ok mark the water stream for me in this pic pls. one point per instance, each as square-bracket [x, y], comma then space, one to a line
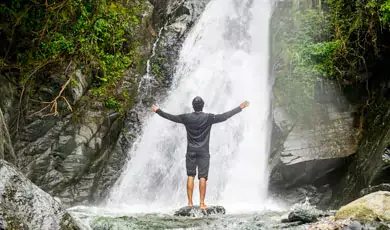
[225, 61]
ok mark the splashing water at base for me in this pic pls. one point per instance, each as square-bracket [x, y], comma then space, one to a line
[225, 61]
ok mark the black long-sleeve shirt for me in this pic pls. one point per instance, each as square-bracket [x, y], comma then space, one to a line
[198, 126]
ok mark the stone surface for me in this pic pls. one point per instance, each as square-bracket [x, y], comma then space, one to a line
[376, 188]
[9, 97]
[318, 196]
[6, 149]
[2, 223]
[150, 221]
[79, 85]
[25, 206]
[310, 153]
[314, 151]
[369, 166]
[67, 157]
[180, 17]
[330, 223]
[304, 213]
[195, 211]
[372, 207]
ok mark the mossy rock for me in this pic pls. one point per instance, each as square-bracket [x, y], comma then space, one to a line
[372, 207]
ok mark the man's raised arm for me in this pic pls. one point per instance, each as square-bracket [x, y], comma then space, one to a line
[174, 118]
[224, 116]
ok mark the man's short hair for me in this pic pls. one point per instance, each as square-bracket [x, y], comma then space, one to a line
[198, 104]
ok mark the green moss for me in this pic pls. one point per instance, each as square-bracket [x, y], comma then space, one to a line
[100, 36]
[156, 70]
[112, 103]
[369, 208]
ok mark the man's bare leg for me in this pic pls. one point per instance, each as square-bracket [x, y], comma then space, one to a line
[190, 189]
[202, 191]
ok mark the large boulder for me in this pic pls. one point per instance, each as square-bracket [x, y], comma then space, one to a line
[316, 147]
[310, 152]
[372, 207]
[25, 206]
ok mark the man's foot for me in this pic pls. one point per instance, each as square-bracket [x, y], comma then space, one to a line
[203, 206]
[190, 204]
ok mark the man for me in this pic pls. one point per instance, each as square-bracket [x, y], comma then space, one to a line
[198, 126]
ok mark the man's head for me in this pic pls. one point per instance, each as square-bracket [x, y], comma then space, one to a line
[198, 104]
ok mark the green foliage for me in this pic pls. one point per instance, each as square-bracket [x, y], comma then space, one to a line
[385, 13]
[356, 25]
[112, 103]
[156, 70]
[55, 44]
[342, 41]
[302, 54]
[99, 35]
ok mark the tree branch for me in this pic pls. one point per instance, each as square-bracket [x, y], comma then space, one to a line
[53, 104]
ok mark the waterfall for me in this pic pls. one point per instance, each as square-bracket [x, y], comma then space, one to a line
[225, 61]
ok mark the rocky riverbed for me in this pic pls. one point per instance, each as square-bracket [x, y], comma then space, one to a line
[369, 212]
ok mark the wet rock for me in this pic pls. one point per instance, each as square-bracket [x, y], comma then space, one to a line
[383, 226]
[317, 196]
[353, 226]
[288, 225]
[305, 213]
[376, 188]
[2, 223]
[195, 211]
[372, 207]
[149, 221]
[309, 153]
[179, 18]
[6, 149]
[369, 166]
[331, 223]
[67, 156]
[302, 216]
[79, 85]
[316, 148]
[25, 206]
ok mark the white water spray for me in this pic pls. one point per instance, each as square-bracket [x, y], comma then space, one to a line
[225, 61]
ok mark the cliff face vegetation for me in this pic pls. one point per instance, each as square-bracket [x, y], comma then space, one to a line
[329, 62]
[69, 71]
[46, 41]
[342, 41]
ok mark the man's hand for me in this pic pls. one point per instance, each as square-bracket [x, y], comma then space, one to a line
[244, 104]
[155, 108]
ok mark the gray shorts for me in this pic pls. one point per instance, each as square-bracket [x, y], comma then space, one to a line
[200, 160]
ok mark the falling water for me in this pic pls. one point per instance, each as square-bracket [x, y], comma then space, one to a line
[147, 79]
[224, 60]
